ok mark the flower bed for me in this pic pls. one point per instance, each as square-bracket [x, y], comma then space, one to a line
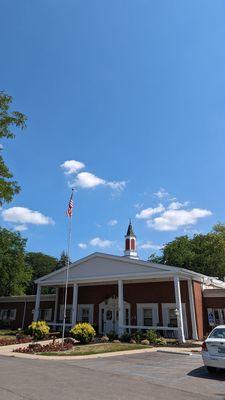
[7, 341]
[39, 348]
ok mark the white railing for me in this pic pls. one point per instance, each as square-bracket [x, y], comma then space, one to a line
[155, 328]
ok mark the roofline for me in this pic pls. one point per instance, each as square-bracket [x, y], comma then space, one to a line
[163, 267]
[26, 298]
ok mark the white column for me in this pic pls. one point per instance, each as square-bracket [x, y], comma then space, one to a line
[192, 310]
[180, 321]
[121, 307]
[37, 303]
[74, 306]
[56, 307]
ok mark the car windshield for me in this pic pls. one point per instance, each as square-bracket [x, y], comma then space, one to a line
[218, 333]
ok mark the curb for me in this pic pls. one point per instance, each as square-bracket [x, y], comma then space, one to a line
[180, 353]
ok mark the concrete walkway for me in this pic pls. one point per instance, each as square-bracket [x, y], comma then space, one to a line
[8, 352]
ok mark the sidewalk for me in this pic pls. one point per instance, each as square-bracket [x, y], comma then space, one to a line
[7, 351]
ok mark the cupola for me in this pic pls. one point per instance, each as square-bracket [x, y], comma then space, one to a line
[130, 243]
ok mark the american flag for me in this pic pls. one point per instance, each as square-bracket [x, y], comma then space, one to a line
[69, 211]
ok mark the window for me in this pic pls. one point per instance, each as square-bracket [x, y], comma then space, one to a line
[85, 313]
[45, 314]
[8, 314]
[127, 244]
[132, 244]
[147, 317]
[216, 316]
[68, 313]
[172, 317]
[147, 314]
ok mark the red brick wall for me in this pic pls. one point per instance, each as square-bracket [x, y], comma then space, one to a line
[198, 299]
[19, 306]
[152, 292]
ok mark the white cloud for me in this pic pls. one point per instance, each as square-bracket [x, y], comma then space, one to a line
[97, 242]
[20, 228]
[148, 212]
[72, 166]
[22, 215]
[161, 194]
[138, 205]
[113, 222]
[87, 180]
[1, 147]
[176, 205]
[172, 220]
[149, 245]
[82, 246]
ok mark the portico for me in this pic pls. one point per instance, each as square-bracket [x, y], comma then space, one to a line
[118, 293]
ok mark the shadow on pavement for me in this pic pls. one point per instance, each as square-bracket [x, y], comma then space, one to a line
[202, 372]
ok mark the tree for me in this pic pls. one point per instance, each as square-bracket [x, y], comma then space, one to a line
[8, 187]
[39, 264]
[201, 253]
[62, 262]
[14, 276]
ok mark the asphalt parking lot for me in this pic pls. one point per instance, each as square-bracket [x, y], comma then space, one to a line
[136, 376]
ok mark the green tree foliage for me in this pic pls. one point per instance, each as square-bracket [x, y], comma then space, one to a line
[201, 253]
[39, 264]
[62, 262]
[8, 120]
[14, 275]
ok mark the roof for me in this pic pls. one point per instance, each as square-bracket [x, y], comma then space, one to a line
[130, 231]
[101, 267]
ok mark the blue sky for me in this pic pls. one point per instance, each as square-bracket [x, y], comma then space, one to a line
[133, 90]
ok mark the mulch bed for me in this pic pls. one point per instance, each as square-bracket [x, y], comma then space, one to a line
[39, 348]
[8, 341]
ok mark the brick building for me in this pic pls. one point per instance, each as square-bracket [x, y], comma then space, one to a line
[119, 293]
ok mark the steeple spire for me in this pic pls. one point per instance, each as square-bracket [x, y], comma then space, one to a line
[130, 243]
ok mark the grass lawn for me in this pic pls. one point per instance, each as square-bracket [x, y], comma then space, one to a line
[7, 333]
[96, 349]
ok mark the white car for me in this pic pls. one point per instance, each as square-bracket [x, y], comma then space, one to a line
[213, 349]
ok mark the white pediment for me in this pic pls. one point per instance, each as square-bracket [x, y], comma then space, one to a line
[100, 266]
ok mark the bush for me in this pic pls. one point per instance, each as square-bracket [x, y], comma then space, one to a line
[137, 336]
[83, 332]
[126, 337]
[160, 342]
[39, 330]
[151, 335]
[112, 335]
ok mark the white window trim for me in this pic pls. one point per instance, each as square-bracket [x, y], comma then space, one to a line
[212, 311]
[140, 313]
[79, 312]
[7, 311]
[165, 315]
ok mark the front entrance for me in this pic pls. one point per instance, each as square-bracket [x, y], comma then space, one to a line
[109, 315]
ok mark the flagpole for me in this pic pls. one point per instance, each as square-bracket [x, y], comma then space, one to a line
[67, 273]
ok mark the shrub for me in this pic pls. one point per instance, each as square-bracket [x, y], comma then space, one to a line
[160, 342]
[126, 337]
[112, 335]
[151, 335]
[39, 329]
[83, 332]
[137, 336]
[104, 339]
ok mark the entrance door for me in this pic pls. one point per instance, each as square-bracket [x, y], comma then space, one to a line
[109, 315]
[110, 319]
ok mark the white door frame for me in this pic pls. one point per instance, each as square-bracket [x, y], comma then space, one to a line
[165, 315]
[112, 303]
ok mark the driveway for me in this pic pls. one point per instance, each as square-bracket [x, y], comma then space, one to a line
[135, 377]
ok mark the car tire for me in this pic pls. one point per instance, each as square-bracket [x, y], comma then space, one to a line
[211, 369]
